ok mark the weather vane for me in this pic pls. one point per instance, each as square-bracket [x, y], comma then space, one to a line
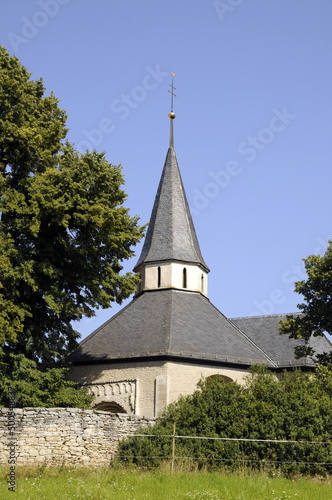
[172, 114]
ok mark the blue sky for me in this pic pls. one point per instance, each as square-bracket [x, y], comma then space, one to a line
[253, 128]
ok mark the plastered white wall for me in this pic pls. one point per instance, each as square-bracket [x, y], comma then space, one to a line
[183, 377]
[171, 276]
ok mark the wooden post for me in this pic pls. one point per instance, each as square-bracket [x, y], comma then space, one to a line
[173, 448]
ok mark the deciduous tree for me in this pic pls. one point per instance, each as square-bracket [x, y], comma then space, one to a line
[316, 310]
[64, 232]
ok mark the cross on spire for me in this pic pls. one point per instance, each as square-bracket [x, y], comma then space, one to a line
[172, 91]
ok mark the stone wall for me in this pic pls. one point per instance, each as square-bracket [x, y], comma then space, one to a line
[63, 436]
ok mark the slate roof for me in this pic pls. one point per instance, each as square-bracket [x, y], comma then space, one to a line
[185, 325]
[171, 234]
[263, 331]
[169, 323]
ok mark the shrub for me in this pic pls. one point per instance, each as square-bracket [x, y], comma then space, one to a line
[297, 407]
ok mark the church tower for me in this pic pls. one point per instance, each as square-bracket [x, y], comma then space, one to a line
[171, 257]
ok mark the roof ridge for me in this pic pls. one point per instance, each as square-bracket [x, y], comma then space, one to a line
[253, 343]
[267, 315]
[100, 327]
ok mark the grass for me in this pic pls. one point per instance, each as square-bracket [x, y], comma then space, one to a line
[125, 484]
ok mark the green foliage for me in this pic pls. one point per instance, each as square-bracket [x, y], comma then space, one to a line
[33, 387]
[64, 232]
[296, 407]
[316, 310]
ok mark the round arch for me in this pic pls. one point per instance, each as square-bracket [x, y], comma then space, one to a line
[110, 406]
[120, 404]
[225, 379]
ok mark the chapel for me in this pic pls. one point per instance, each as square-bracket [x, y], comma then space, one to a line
[170, 335]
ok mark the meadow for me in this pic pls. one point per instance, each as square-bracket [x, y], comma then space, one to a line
[132, 484]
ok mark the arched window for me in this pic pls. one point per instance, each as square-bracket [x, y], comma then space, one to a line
[184, 278]
[202, 283]
[159, 277]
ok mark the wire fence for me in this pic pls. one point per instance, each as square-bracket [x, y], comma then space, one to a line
[291, 455]
[210, 438]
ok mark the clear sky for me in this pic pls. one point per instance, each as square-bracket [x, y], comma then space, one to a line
[252, 133]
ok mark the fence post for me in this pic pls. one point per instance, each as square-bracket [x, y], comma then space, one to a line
[173, 448]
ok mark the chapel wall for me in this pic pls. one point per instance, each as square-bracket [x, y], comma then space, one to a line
[144, 374]
[153, 385]
[183, 377]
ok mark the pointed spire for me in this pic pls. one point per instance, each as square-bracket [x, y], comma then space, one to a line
[171, 234]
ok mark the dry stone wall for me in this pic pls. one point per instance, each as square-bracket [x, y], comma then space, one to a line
[63, 436]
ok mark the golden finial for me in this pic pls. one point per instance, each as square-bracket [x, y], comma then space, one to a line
[172, 115]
